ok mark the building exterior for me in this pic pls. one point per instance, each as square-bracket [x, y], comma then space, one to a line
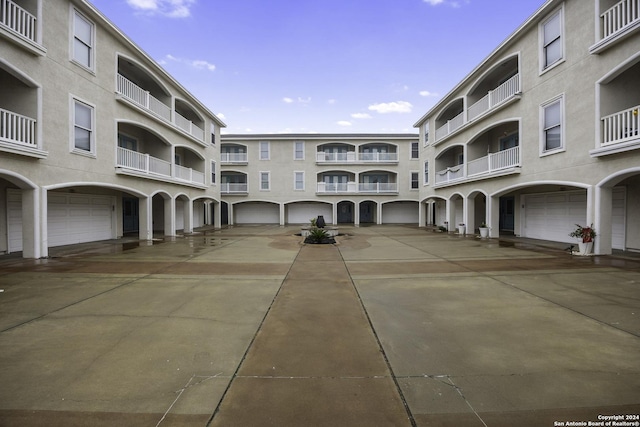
[346, 178]
[96, 139]
[544, 133]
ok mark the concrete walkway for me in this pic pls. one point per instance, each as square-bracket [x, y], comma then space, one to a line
[246, 326]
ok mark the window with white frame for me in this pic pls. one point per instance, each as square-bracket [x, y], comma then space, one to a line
[415, 151]
[551, 40]
[551, 135]
[426, 134]
[298, 178]
[415, 180]
[265, 184]
[264, 150]
[426, 172]
[83, 121]
[83, 40]
[213, 172]
[298, 150]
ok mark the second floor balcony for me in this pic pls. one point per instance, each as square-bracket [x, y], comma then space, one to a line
[372, 182]
[18, 20]
[366, 153]
[18, 130]
[234, 183]
[141, 164]
[233, 154]
[619, 17]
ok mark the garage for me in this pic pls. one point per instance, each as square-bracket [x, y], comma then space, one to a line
[400, 213]
[79, 218]
[552, 216]
[256, 213]
[301, 213]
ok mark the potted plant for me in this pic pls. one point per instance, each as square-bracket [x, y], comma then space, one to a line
[484, 230]
[586, 235]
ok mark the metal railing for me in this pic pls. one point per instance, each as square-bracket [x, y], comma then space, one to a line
[619, 16]
[621, 126]
[18, 19]
[377, 187]
[378, 157]
[145, 163]
[495, 97]
[17, 129]
[189, 127]
[233, 187]
[328, 157]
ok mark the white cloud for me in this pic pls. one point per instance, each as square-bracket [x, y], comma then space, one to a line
[198, 64]
[221, 116]
[170, 8]
[434, 2]
[331, 101]
[299, 100]
[427, 93]
[287, 100]
[392, 107]
[452, 3]
[361, 115]
[344, 123]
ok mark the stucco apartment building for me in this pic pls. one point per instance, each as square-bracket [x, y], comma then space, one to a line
[544, 133]
[96, 139]
[346, 178]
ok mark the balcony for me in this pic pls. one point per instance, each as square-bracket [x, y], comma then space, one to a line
[451, 173]
[17, 129]
[621, 127]
[145, 100]
[336, 187]
[356, 157]
[332, 157]
[494, 162]
[377, 187]
[151, 167]
[493, 99]
[234, 188]
[231, 158]
[18, 20]
[619, 17]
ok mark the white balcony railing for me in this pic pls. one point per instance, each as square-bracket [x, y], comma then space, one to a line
[189, 127]
[233, 187]
[377, 187]
[450, 126]
[18, 19]
[621, 126]
[495, 97]
[378, 157]
[494, 162]
[233, 157]
[147, 164]
[449, 174]
[491, 100]
[336, 187]
[142, 98]
[17, 129]
[619, 16]
[328, 157]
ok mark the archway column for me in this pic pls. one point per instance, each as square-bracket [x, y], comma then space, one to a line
[493, 215]
[187, 216]
[282, 213]
[31, 230]
[356, 213]
[603, 244]
[334, 213]
[169, 217]
[469, 213]
[145, 214]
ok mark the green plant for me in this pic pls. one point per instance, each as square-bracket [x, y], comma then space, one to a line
[483, 225]
[587, 234]
[313, 221]
[317, 235]
[442, 228]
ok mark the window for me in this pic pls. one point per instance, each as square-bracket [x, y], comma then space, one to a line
[83, 40]
[551, 41]
[415, 180]
[298, 181]
[83, 119]
[264, 181]
[213, 172]
[264, 150]
[426, 172]
[127, 142]
[414, 150]
[426, 134]
[551, 130]
[298, 149]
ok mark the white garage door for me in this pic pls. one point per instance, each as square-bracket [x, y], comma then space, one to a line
[552, 216]
[301, 213]
[256, 213]
[400, 213]
[79, 218]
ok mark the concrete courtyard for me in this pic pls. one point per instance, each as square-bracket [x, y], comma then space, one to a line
[391, 326]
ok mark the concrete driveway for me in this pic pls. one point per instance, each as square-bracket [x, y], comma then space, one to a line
[392, 326]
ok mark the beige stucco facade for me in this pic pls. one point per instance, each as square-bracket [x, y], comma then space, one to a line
[97, 140]
[497, 153]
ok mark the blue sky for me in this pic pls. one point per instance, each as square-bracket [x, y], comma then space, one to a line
[311, 66]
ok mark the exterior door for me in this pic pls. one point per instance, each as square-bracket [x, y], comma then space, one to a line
[345, 212]
[507, 209]
[130, 214]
